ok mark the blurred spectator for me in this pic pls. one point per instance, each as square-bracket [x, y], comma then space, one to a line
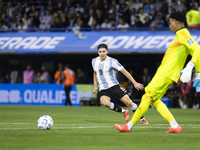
[123, 11]
[19, 17]
[9, 9]
[153, 14]
[99, 16]
[79, 7]
[157, 23]
[91, 17]
[56, 22]
[132, 17]
[193, 4]
[194, 96]
[3, 26]
[14, 75]
[106, 7]
[79, 24]
[158, 5]
[68, 80]
[2, 7]
[26, 20]
[32, 11]
[81, 77]
[180, 6]
[31, 24]
[45, 20]
[137, 21]
[142, 15]
[70, 20]
[185, 93]
[13, 21]
[112, 13]
[50, 7]
[21, 27]
[36, 19]
[95, 24]
[46, 75]
[96, 5]
[122, 23]
[138, 4]
[18, 9]
[26, 8]
[146, 22]
[87, 6]
[131, 4]
[28, 75]
[106, 23]
[148, 6]
[59, 8]
[146, 78]
[58, 73]
[42, 11]
[174, 93]
[37, 78]
[69, 7]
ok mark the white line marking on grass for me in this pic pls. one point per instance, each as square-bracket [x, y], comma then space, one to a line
[103, 126]
[15, 123]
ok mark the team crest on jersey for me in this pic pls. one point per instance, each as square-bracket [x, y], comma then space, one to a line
[190, 41]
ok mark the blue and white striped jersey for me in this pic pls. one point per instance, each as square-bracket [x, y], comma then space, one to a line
[106, 71]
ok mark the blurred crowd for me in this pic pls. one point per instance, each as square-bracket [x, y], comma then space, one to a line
[45, 14]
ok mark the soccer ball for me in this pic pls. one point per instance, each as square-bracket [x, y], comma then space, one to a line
[45, 122]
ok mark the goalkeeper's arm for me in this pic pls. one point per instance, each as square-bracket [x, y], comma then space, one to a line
[186, 73]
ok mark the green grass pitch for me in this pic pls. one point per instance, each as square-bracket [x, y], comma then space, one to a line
[91, 128]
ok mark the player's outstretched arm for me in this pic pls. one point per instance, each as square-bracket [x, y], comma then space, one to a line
[95, 83]
[137, 85]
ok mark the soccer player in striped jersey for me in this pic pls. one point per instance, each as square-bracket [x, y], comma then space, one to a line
[105, 77]
[168, 72]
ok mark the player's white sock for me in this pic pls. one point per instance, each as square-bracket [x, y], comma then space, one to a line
[111, 105]
[134, 107]
[130, 125]
[123, 110]
[174, 124]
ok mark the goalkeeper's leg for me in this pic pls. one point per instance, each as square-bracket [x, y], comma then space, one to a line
[128, 102]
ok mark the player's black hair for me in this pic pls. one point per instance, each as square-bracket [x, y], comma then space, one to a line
[103, 46]
[178, 16]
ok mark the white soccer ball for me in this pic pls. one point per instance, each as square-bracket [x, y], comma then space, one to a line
[45, 122]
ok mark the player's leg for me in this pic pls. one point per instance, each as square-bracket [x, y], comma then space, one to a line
[164, 111]
[105, 100]
[128, 102]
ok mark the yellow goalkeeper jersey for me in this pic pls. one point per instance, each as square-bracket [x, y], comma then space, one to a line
[193, 18]
[176, 55]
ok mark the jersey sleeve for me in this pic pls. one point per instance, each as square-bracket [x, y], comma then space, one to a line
[193, 49]
[117, 65]
[93, 62]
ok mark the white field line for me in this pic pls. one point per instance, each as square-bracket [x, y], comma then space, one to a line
[93, 126]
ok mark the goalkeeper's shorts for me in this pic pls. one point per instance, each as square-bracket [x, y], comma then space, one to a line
[158, 86]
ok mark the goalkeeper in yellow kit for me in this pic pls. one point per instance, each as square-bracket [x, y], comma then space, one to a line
[168, 72]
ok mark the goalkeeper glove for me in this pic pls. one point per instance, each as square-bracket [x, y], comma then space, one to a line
[186, 73]
[196, 83]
